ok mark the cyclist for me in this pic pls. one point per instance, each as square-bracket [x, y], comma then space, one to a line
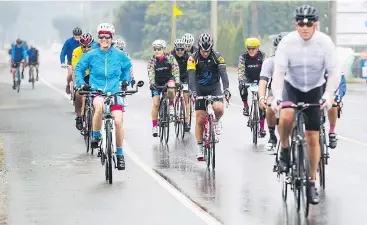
[300, 63]
[33, 60]
[108, 68]
[205, 69]
[18, 56]
[189, 43]
[181, 57]
[162, 69]
[86, 41]
[120, 44]
[333, 112]
[67, 50]
[265, 84]
[249, 68]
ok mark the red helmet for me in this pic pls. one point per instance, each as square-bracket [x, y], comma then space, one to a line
[86, 40]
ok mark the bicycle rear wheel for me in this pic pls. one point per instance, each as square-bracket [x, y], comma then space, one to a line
[167, 120]
[109, 151]
[161, 120]
[177, 118]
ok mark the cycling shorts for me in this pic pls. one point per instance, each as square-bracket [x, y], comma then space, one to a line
[158, 92]
[213, 90]
[312, 122]
[33, 63]
[15, 65]
[117, 105]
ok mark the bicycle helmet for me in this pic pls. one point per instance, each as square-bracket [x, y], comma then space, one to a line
[120, 44]
[205, 42]
[188, 39]
[77, 31]
[306, 12]
[19, 41]
[179, 43]
[86, 40]
[252, 42]
[106, 28]
[159, 43]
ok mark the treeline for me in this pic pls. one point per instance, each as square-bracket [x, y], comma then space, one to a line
[141, 22]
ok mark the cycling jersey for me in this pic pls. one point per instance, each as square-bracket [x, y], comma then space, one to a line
[182, 63]
[160, 71]
[67, 50]
[107, 69]
[267, 70]
[250, 67]
[18, 53]
[207, 71]
[303, 63]
[77, 53]
[33, 55]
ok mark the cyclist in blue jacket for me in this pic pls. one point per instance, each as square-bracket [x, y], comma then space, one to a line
[67, 50]
[333, 112]
[109, 68]
[18, 56]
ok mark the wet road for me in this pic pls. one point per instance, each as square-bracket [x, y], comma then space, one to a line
[53, 181]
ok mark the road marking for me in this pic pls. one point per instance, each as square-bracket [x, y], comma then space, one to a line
[352, 140]
[207, 218]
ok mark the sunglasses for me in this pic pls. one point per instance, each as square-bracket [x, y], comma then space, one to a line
[107, 37]
[157, 49]
[85, 47]
[251, 49]
[180, 49]
[308, 24]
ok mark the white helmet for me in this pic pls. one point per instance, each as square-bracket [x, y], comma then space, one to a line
[106, 27]
[159, 43]
[120, 44]
[188, 39]
[179, 43]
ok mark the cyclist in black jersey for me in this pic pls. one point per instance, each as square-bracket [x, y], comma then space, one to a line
[249, 68]
[181, 57]
[189, 44]
[206, 68]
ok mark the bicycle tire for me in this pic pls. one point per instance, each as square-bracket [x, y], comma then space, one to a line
[32, 76]
[109, 150]
[212, 140]
[18, 85]
[255, 124]
[322, 161]
[192, 106]
[167, 120]
[182, 118]
[161, 120]
[305, 175]
[206, 136]
[177, 118]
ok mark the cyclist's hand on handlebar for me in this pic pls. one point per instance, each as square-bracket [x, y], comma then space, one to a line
[153, 86]
[124, 85]
[132, 82]
[326, 104]
[262, 103]
[84, 88]
[227, 94]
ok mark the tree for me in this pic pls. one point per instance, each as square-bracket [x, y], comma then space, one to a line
[130, 19]
[65, 24]
[238, 44]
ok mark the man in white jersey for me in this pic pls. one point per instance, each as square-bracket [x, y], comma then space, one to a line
[266, 75]
[300, 63]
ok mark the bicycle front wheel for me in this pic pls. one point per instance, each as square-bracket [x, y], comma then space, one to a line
[305, 174]
[212, 140]
[255, 123]
[177, 118]
[322, 161]
[167, 120]
[109, 151]
[31, 76]
[182, 117]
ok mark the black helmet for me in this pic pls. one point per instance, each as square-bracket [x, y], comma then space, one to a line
[77, 31]
[307, 12]
[19, 41]
[205, 42]
[278, 39]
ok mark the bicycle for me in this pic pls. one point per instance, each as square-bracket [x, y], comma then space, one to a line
[209, 130]
[163, 114]
[254, 119]
[180, 109]
[17, 76]
[299, 169]
[324, 147]
[108, 137]
[87, 121]
[31, 74]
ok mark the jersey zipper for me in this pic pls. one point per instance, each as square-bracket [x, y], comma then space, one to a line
[105, 70]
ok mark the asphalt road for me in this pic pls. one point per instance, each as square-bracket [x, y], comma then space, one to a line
[52, 180]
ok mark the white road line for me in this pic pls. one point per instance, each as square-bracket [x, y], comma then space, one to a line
[352, 140]
[207, 218]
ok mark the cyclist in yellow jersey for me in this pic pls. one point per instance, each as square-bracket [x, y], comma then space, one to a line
[86, 41]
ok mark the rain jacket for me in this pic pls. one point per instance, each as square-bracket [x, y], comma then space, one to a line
[107, 69]
[17, 54]
[68, 48]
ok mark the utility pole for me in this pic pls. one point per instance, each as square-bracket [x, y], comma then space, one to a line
[214, 20]
[332, 20]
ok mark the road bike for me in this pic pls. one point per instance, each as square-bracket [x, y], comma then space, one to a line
[163, 114]
[180, 113]
[17, 77]
[299, 174]
[209, 134]
[108, 142]
[87, 121]
[254, 118]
